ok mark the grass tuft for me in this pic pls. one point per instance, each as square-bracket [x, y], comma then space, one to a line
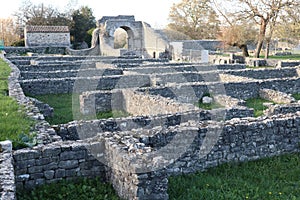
[208, 106]
[274, 178]
[80, 189]
[296, 96]
[257, 105]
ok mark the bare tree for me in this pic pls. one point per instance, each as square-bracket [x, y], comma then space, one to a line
[40, 14]
[288, 28]
[8, 31]
[194, 18]
[265, 13]
[238, 35]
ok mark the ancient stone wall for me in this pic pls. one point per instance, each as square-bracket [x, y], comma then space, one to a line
[265, 73]
[275, 96]
[53, 162]
[39, 50]
[7, 178]
[137, 154]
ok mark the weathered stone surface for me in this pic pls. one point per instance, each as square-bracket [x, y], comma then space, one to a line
[207, 100]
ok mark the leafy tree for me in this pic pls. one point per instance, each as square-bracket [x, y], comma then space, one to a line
[83, 20]
[194, 18]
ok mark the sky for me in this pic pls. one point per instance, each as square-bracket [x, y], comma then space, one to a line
[154, 12]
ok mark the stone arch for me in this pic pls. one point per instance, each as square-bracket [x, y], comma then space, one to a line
[130, 38]
[138, 43]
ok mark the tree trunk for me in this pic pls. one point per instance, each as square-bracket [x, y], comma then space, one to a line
[261, 37]
[244, 49]
[267, 48]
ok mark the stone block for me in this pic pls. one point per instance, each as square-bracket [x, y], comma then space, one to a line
[6, 146]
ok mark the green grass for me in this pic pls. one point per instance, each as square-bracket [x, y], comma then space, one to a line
[63, 109]
[268, 179]
[81, 189]
[286, 57]
[257, 105]
[208, 106]
[296, 96]
[14, 124]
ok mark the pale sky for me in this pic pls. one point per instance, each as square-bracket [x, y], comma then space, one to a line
[154, 12]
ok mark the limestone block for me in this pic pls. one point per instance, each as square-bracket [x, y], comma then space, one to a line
[207, 100]
[5, 146]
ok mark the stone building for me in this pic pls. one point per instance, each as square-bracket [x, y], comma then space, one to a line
[57, 36]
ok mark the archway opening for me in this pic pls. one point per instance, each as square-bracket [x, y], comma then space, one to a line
[120, 39]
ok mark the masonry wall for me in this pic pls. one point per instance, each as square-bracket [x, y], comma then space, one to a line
[236, 140]
[47, 39]
[265, 73]
[40, 50]
[54, 162]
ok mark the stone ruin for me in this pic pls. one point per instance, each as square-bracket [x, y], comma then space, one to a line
[165, 135]
[142, 39]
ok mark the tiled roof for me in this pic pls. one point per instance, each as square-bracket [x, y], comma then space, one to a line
[47, 29]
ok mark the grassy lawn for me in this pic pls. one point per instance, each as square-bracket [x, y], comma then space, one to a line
[14, 124]
[268, 179]
[81, 189]
[296, 96]
[63, 113]
[257, 105]
[286, 57]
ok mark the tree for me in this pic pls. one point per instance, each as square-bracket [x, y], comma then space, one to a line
[265, 13]
[8, 31]
[174, 35]
[83, 20]
[289, 27]
[238, 35]
[40, 14]
[194, 18]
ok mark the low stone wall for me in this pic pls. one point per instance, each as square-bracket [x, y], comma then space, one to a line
[228, 101]
[101, 101]
[185, 149]
[140, 104]
[275, 96]
[256, 62]
[283, 109]
[7, 178]
[182, 67]
[39, 50]
[54, 162]
[288, 63]
[81, 84]
[191, 147]
[265, 73]
[226, 78]
[69, 73]
[53, 67]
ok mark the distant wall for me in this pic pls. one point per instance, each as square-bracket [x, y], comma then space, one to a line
[47, 36]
